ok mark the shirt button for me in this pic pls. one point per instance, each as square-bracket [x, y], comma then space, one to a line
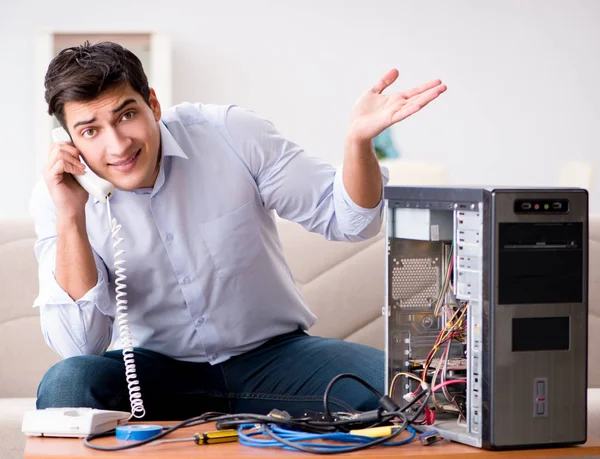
[186, 280]
[169, 237]
[214, 356]
[201, 320]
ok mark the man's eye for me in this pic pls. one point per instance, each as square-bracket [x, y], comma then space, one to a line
[128, 115]
[89, 133]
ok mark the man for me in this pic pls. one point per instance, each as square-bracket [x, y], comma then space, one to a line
[216, 320]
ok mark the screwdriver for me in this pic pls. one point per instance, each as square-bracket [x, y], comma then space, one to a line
[206, 438]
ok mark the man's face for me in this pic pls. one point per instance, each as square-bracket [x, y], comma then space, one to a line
[118, 136]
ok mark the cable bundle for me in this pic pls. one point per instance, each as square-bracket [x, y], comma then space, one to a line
[287, 432]
[296, 440]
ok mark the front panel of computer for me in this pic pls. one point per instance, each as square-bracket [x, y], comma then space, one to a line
[538, 361]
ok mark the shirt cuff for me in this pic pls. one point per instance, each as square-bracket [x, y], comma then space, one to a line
[56, 295]
[368, 214]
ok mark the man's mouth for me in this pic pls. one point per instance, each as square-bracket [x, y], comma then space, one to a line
[126, 163]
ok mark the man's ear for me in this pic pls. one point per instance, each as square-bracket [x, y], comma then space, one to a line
[155, 105]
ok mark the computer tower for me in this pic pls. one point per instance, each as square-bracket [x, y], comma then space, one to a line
[486, 301]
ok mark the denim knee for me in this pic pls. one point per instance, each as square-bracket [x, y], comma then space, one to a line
[82, 381]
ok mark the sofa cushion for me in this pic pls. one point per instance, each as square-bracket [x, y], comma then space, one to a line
[594, 412]
[343, 284]
[12, 441]
[25, 356]
[594, 303]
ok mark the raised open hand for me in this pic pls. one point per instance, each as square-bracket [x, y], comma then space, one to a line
[375, 112]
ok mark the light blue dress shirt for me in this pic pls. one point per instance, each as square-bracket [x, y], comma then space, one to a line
[206, 275]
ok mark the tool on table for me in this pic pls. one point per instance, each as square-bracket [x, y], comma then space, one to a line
[205, 438]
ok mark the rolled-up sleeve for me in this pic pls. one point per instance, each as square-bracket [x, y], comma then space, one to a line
[299, 187]
[369, 220]
[70, 327]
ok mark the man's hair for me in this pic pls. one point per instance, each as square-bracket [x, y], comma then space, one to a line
[81, 73]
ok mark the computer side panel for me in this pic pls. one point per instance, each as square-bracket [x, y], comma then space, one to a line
[481, 332]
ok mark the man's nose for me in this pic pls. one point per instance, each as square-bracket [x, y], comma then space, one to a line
[116, 144]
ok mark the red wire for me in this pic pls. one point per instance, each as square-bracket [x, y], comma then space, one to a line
[447, 383]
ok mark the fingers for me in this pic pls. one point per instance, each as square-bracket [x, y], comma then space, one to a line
[65, 165]
[417, 103]
[64, 146]
[387, 80]
[63, 150]
[421, 89]
[63, 158]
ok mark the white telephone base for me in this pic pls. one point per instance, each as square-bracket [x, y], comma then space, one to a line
[71, 422]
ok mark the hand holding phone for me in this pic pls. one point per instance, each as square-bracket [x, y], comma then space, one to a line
[96, 186]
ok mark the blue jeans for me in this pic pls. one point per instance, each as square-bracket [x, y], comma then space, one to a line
[289, 372]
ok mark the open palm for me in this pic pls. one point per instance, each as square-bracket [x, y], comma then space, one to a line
[374, 112]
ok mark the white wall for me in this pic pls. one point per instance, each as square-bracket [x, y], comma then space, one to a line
[522, 75]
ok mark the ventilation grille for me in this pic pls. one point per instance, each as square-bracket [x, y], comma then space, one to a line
[415, 282]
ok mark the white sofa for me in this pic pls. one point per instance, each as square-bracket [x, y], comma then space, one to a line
[339, 280]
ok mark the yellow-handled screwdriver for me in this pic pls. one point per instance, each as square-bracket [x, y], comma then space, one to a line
[206, 438]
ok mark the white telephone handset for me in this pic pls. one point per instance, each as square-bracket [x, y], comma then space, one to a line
[96, 186]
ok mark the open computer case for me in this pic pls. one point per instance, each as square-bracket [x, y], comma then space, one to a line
[486, 303]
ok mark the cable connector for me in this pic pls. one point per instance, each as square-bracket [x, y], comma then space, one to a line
[428, 438]
[368, 417]
[388, 404]
[408, 397]
[374, 432]
[429, 416]
[275, 413]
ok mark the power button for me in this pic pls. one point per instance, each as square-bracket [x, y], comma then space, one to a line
[540, 397]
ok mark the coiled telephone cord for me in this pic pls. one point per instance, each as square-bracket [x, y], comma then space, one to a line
[133, 384]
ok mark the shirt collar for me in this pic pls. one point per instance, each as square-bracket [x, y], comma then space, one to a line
[169, 146]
